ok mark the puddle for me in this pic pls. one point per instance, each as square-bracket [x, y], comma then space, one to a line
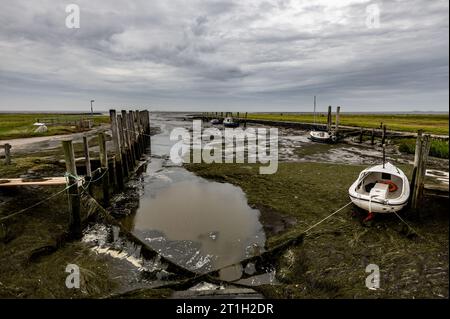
[199, 224]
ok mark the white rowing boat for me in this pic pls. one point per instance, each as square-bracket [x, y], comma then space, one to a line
[380, 189]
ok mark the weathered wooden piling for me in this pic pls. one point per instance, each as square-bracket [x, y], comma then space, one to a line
[338, 112]
[245, 121]
[123, 146]
[383, 135]
[361, 133]
[418, 176]
[127, 137]
[329, 119]
[87, 163]
[73, 191]
[104, 168]
[131, 135]
[7, 148]
[372, 137]
[118, 170]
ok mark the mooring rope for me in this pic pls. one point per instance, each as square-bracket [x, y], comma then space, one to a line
[324, 219]
[77, 178]
[38, 203]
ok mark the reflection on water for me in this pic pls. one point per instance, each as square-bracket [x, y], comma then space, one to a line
[211, 222]
[200, 224]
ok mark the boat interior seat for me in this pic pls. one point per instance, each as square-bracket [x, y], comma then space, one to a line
[372, 179]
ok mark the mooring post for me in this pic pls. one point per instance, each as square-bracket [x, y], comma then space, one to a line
[127, 139]
[147, 116]
[361, 132]
[123, 146]
[372, 137]
[141, 130]
[338, 111]
[87, 163]
[7, 153]
[420, 161]
[135, 135]
[329, 119]
[118, 153]
[131, 135]
[72, 191]
[245, 121]
[383, 135]
[104, 168]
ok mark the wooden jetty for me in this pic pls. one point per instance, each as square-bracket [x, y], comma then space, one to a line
[131, 139]
[45, 181]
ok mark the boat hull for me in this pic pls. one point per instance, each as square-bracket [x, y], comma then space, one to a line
[231, 124]
[377, 207]
[321, 140]
[377, 202]
[322, 137]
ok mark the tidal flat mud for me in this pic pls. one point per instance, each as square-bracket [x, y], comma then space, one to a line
[311, 182]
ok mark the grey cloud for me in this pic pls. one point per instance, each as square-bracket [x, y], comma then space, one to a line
[268, 55]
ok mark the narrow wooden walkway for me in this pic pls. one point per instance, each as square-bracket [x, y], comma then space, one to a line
[45, 181]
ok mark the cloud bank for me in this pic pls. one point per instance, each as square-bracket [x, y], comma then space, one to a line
[217, 55]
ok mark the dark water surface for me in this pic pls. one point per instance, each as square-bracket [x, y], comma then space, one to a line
[200, 224]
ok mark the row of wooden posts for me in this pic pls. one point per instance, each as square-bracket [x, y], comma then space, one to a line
[7, 148]
[130, 138]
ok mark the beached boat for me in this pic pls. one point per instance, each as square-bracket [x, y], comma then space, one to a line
[215, 121]
[322, 137]
[380, 189]
[229, 122]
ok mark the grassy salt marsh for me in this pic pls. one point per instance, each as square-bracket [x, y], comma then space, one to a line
[21, 125]
[331, 262]
[430, 123]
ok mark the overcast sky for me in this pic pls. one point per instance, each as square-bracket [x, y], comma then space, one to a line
[272, 55]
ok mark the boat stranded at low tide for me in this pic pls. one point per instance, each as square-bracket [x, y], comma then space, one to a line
[380, 189]
[227, 146]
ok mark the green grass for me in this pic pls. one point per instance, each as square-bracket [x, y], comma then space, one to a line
[438, 148]
[21, 125]
[331, 261]
[430, 123]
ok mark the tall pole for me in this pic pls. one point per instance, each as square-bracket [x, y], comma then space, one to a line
[92, 108]
[314, 110]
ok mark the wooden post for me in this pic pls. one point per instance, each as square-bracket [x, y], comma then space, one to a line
[135, 135]
[420, 161]
[7, 153]
[147, 116]
[123, 146]
[338, 111]
[132, 137]
[72, 192]
[128, 140]
[245, 122]
[117, 151]
[104, 168]
[329, 119]
[87, 163]
[361, 132]
[372, 137]
[383, 136]
[140, 130]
